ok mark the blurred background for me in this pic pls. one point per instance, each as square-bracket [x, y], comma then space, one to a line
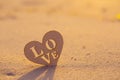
[99, 9]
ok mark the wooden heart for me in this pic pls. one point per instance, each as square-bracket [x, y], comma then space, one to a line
[47, 52]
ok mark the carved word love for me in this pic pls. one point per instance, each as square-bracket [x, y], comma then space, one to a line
[47, 52]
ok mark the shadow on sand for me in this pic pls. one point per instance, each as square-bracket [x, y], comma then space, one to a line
[42, 73]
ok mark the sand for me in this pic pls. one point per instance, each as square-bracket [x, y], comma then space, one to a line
[90, 31]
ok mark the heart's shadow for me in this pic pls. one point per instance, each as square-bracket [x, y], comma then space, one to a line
[41, 73]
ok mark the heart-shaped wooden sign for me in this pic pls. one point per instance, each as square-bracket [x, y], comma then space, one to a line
[47, 52]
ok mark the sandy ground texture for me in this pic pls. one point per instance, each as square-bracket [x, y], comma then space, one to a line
[91, 33]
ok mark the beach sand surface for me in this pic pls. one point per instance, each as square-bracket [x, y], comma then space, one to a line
[90, 30]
